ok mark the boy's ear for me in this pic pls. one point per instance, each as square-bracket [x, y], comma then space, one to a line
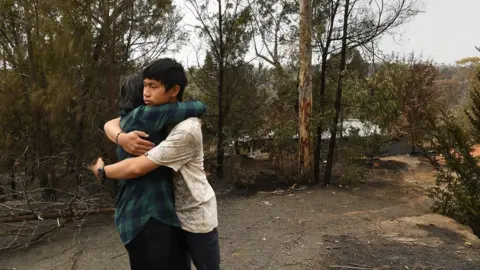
[174, 91]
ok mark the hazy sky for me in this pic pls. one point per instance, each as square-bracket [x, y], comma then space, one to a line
[447, 31]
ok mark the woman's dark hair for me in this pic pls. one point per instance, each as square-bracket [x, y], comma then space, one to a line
[131, 92]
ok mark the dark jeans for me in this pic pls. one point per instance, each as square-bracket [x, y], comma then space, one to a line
[151, 248]
[202, 248]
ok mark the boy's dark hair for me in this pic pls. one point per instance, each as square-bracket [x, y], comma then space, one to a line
[131, 92]
[168, 72]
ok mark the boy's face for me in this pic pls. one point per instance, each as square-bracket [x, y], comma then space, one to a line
[154, 93]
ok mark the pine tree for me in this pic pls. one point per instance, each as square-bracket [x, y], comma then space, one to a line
[457, 191]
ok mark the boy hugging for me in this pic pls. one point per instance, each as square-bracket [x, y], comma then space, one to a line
[166, 211]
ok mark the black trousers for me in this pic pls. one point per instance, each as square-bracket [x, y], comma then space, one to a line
[162, 247]
[151, 249]
[202, 248]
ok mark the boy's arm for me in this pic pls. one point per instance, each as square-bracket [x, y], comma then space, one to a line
[129, 168]
[174, 152]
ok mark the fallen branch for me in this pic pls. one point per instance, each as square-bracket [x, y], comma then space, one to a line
[25, 187]
[15, 239]
[265, 263]
[36, 239]
[65, 214]
[294, 240]
[75, 259]
[118, 256]
[70, 206]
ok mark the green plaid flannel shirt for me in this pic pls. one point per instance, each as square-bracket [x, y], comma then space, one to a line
[151, 195]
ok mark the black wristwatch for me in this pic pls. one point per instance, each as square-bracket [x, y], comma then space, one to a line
[101, 173]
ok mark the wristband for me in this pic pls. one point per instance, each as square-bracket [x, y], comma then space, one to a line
[101, 173]
[116, 138]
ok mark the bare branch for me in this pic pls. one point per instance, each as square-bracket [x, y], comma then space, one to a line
[196, 12]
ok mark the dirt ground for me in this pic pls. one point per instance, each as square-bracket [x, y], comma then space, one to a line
[384, 224]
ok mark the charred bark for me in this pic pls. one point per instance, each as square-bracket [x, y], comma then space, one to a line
[338, 100]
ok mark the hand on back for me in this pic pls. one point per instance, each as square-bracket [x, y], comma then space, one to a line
[134, 144]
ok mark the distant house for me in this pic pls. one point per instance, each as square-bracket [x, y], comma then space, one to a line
[348, 128]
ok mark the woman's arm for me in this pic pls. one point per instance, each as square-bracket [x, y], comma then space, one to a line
[131, 142]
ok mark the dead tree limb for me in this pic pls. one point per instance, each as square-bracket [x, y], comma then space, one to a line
[60, 215]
